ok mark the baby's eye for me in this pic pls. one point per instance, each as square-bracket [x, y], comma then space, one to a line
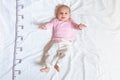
[65, 13]
[61, 13]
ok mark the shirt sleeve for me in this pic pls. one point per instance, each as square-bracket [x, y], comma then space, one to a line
[50, 24]
[74, 24]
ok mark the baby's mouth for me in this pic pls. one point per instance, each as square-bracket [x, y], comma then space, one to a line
[63, 17]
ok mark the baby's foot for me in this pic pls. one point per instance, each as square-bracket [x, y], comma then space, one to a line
[57, 67]
[46, 69]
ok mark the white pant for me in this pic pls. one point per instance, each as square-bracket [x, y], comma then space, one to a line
[58, 52]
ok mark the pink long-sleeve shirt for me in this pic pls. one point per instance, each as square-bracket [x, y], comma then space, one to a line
[62, 30]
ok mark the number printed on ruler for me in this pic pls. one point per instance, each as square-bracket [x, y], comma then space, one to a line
[18, 39]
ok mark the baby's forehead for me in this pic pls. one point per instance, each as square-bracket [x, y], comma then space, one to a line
[64, 9]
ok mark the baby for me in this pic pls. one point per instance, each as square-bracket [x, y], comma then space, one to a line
[63, 36]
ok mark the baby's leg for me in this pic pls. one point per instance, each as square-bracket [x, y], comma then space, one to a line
[49, 57]
[46, 69]
[57, 67]
[63, 54]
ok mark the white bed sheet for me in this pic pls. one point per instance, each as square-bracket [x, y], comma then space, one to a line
[96, 51]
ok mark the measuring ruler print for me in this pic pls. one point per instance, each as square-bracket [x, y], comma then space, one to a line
[18, 38]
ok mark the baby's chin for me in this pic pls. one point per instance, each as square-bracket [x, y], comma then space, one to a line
[63, 20]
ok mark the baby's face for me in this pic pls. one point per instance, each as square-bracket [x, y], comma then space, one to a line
[63, 14]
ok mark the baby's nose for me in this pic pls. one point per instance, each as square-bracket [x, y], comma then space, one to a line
[63, 14]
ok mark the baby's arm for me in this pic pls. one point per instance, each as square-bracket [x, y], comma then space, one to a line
[42, 27]
[78, 26]
[81, 26]
[48, 25]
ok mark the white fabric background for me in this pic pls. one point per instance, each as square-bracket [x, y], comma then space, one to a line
[96, 49]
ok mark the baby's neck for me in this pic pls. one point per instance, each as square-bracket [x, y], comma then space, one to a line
[64, 21]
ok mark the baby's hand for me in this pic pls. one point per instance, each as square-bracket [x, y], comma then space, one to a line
[42, 27]
[81, 26]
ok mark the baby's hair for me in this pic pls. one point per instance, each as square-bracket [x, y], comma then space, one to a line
[61, 6]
